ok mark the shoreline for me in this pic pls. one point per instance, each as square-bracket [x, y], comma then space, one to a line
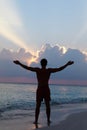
[59, 114]
[75, 121]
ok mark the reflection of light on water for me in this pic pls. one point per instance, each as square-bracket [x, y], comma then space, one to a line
[35, 126]
[63, 89]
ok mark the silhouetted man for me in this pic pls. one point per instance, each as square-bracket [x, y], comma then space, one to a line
[43, 91]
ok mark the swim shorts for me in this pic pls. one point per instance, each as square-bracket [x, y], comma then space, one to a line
[43, 93]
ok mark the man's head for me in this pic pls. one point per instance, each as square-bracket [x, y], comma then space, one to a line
[43, 62]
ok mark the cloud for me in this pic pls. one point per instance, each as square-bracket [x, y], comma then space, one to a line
[50, 52]
[7, 67]
[20, 54]
[56, 58]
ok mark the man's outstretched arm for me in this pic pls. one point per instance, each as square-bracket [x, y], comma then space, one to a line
[24, 66]
[62, 67]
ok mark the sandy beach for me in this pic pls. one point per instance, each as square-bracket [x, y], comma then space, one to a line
[77, 121]
[66, 117]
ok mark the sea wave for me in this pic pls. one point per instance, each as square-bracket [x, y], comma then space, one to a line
[68, 101]
[31, 105]
[15, 97]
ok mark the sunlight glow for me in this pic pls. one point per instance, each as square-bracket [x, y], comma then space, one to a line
[33, 59]
[83, 30]
[85, 53]
[9, 34]
[11, 24]
[64, 50]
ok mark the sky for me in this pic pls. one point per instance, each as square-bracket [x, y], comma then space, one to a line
[34, 29]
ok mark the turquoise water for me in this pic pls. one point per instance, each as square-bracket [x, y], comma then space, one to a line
[22, 96]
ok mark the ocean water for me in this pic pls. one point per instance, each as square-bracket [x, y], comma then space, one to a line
[20, 98]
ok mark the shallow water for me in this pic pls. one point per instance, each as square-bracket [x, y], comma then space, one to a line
[19, 99]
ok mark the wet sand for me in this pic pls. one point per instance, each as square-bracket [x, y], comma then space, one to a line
[64, 117]
[73, 122]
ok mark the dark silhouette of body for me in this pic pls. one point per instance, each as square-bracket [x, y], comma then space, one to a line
[43, 91]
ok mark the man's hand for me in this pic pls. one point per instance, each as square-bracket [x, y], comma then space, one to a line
[70, 62]
[16, 62]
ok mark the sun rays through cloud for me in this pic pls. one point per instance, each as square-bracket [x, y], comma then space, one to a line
[11, 26]
[82, 32]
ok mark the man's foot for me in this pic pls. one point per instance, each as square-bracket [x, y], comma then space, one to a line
[49, 122]
[35, 122]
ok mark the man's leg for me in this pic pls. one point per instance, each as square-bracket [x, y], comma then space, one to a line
[48, 111]
[37, 111]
